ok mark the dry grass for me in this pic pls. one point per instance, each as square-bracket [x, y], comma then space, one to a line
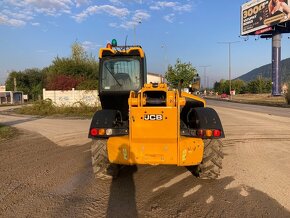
[262, 99]
[7, 132]
[47, 108]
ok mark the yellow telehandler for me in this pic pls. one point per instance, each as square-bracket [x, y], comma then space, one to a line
[144, 123]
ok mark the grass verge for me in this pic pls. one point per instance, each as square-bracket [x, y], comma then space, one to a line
[259, 99]
[7, 132]
[47, 108]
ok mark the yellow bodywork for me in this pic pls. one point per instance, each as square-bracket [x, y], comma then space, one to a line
[125, 52]
[154, 132]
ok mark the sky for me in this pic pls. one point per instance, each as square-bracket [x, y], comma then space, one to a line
[34, 32]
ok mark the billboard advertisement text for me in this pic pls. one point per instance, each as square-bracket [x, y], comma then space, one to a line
[257, 15]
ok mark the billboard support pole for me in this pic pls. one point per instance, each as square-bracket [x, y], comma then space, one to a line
[276, 64]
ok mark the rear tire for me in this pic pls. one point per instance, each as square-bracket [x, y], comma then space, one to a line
[102, 167]
[212, 160]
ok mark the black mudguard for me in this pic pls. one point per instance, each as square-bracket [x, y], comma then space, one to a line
[204, 118]
[104, 119]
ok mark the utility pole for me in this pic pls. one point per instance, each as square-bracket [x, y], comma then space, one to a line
[260, 83]
[165, 57]
[276, 64]
[15, 84]
[230, 79]
[205, 77]
[135, 24]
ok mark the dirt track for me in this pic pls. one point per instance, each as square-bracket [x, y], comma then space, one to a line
[40, 178]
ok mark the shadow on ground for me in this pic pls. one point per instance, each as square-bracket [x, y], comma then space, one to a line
[40, 179]
[202, 198]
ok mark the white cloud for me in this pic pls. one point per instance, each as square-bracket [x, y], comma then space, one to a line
[49, 7]
[183, 8]
[176, 6]
[140, 16]
[169, 18]
[11, 22]
[108, 9]
[35, 24]
[159, 5]
[21, 15]
[116, 2]
[128, 24]
[18, 12]
[79, 3]
[87, 45]
[123, 2]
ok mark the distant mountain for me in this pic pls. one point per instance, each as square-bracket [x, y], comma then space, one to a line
[266, 72]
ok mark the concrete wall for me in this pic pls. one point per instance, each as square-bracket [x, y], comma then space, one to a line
[89, 97]
[72, 97]
[154, 78]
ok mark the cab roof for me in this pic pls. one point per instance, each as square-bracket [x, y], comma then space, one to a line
[135, 50]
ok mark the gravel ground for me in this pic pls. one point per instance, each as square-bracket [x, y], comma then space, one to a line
[43, 173]
[40, 179]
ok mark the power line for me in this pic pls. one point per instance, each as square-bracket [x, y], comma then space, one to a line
[204, 72]
[230, 79]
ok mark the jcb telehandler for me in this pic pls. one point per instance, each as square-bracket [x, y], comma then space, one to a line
[148, 123]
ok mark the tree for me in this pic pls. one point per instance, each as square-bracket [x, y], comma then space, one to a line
[78, 53]
[224, 86]
[63, 82]
[238, 85]
[184, 71]
[259, 85]
[29, 81]
[78, 65]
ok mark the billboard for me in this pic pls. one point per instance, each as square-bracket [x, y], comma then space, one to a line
[259, 16]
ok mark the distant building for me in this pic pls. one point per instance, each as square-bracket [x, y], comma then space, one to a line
[284, 88]
[11, 97]
[155, 78]
[2, 88]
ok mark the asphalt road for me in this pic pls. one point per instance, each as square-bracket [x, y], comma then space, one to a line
[46, 172]
[278, 111]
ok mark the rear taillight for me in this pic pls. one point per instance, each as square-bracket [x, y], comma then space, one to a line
[208, 133]
[202, 133]
[102, 132]
[94, 132]
[217, 133]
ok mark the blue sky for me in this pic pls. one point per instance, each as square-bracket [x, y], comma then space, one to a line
[34, 32]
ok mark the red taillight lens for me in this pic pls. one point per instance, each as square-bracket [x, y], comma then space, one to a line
[217, 133]
[94, 132]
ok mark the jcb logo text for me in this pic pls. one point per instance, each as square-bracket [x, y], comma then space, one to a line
[153, 117]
